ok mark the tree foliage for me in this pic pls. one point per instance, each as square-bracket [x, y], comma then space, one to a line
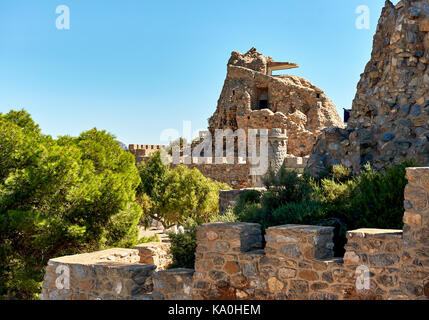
[174, 195]
[59, 196]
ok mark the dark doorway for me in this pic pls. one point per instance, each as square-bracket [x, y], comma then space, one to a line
[263, 104]
[261, 99]
[346, 114]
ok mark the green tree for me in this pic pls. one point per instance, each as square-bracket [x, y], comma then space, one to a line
[59, 196]
[172, 196]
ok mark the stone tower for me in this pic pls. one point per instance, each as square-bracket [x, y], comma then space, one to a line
[389, 121]
[277, 148]
[253, 98]
[277, 152]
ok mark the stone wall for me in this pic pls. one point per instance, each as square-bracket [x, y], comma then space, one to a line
[174, 284]
[296, 262]
[290, 102]
[155, 253]
[113, 274]
[415, 250]
[236, 175]
[380, 252]
[295, 163]
[142, 152]
[389, 120]
[239, 173]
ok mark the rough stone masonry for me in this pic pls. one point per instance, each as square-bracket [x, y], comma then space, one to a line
[389, 121]
[253, 98]
[293, 110]
[297, 262]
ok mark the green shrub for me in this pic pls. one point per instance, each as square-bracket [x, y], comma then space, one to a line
[285, 187]
[337, 198]
[379, 200]
[154, 238]
[183, 246]
[307, 212]
[340, 173]
[284, 190]
[229, 216]
[254, 213]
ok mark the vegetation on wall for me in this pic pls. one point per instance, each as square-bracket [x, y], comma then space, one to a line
[57, 197]
[183, 245]
[370, 199]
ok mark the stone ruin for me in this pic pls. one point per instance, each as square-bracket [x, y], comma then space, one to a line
[297, 262]
[293, 110]
[253, 98]
[389, 120]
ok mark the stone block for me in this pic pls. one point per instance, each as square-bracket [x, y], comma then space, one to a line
[413, 219]
[424, 26]
[301, 241]
[231, 237]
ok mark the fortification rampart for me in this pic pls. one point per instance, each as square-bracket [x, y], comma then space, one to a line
[297, 262]
[142, 152]
[235, 171]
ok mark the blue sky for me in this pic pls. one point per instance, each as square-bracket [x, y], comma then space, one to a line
[137, 67]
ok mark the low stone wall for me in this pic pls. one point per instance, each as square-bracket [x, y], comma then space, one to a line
[143, 152]
[155, 253]
[174, 284]
[298, 164]
[235, 175]
[377, 252]
[113, 274]
[296, 263]
[415, 250]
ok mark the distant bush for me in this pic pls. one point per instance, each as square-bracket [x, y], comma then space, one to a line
[369, 199]
[154, 238]
[57, 197]
[285, 187]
